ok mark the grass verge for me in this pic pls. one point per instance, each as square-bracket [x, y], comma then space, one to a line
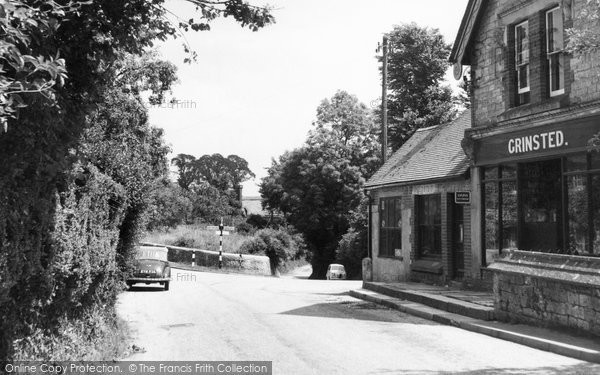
[98, 335]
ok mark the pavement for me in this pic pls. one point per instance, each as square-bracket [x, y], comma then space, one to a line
[473, 311]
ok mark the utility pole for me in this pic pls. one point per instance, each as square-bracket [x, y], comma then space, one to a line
[384, 119]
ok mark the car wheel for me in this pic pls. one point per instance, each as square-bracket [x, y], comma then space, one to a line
[166, 285]
[129, 284]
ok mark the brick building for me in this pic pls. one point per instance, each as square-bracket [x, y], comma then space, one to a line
[420, 231]
[535, 185]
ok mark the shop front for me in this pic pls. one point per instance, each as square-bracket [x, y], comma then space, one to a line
[540, 190]
[540, 221]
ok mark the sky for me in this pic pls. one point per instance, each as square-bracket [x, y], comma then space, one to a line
[255, 94]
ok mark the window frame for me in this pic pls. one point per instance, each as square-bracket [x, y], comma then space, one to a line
[436, 227]
[552, 53]
[524, 62]
[588, 171]
[385, 248]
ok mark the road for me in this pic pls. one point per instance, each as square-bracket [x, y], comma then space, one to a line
[311, 327]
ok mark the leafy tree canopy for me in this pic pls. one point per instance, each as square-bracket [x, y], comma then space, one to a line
[317, 185]
[417, 62]
[222, 173]
[48, 45]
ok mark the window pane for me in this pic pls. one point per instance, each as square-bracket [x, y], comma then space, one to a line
[576, 163]
[491, 220]
[509, 171]
[554, 30]
[577, 206]
[557, 77]
[491, 173]
[541, 204]
[390, 226]
[596, 214]
[523, 76]
[509, 214]
[595, 156]
[522, 43]
[398, 214]
[429, 228]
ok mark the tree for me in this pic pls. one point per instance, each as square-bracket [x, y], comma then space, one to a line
[223, 173]
[170, 205]
[59, 101]
[417, 62]
[317, 185]
[212, 181]
[187, 172]
[42, 41]
[584, 38]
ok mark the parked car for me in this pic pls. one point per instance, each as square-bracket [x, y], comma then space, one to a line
[151, 266]
[336, 271]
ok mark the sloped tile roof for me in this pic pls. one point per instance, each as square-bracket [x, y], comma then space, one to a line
[431, 153]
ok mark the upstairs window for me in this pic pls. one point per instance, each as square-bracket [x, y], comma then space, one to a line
[554, 51]
[522, 61]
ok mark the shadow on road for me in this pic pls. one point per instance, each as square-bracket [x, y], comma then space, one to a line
[583, 368]
[144, 288]
[360, 310]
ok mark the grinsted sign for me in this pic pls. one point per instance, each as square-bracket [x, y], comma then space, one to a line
[554, 139]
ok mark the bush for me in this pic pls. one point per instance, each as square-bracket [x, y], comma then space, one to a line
[351, 250]
[257, 221]
[279, 245]
[169, 207]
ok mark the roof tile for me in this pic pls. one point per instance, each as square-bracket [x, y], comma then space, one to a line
[431, 153]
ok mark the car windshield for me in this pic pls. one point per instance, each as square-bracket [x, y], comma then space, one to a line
[147, 252]
[337, 268]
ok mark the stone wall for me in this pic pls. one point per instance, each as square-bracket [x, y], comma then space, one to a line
[249, 264]
[548, 290]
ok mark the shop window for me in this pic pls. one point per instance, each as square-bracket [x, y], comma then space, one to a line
[390, 229]
[522, 62]
[500, 207]
[429, 225]
[541, 203]
[554, 51]
[582, 177]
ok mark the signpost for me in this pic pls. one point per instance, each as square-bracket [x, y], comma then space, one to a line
[221, 230]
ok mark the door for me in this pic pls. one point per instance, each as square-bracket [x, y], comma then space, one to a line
[457, 225]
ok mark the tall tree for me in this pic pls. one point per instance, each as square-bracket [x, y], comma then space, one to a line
[317, 185]
[187, 172]
[417, 63]
[584, 38]
[59, 59]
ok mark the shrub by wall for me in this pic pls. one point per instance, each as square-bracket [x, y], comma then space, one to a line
[279, 245]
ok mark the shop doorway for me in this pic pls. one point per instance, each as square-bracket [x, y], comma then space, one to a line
[457, 225]
[541, 206]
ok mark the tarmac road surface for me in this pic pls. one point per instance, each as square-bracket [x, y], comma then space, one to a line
[311, 327]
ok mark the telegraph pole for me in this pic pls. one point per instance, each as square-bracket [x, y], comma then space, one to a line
[384, 119]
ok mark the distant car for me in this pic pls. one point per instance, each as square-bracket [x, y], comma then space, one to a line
[336, 272]
[151, 266]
